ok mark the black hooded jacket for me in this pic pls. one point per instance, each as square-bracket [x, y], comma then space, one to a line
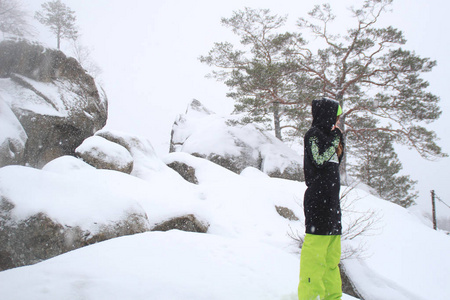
[321, 167]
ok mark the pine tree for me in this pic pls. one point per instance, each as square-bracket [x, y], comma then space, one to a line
[257, 75]
[369, 72]
[375, 163]
[60, 19]
[365, 69]
[274, 75]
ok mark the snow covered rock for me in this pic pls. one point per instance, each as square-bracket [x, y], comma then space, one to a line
[57, 103]
[66, 164]
[186, 171]
[47, 213]
[348, 285]
[202, 133]
[12, 137]
[146, 162]
[103, 154]
[286, 213]
[188, 223]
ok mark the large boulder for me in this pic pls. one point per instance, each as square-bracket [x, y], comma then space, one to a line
[56, 102]
[186, 171]
[286, 213]
[188, 223]
[103, 154]
[202, 133]
[146, 162]
[44, 213]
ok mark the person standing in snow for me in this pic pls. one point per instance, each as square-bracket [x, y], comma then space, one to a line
[321, 251]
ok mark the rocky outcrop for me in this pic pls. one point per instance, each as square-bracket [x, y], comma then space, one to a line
[186, 171]
[286, 213]
[56, 102]
[39, 237]
[103, 154]
[235, 147]
[185, 223]
[44, 213]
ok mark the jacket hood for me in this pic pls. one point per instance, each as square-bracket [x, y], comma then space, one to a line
[324, 113]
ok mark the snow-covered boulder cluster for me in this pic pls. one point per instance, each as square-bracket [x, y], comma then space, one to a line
[205, 134]
[247, 250]
[76, 201]
[65, 206]
[49, 104]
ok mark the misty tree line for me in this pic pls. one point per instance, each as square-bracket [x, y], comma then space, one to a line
[273, 75]
[60, 20]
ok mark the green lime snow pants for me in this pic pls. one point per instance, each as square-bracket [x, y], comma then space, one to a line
[320, 278]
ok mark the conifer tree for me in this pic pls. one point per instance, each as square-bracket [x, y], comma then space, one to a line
[274, 75]
[375, 163]
[257, 74]
[13, 18]
[60, 19]
[369, 73]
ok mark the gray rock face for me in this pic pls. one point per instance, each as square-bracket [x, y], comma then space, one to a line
[185, 223]
[347, 285]
[103, 154]
[235, 147]
[186, 171]
[57, 103]
[286, 213]
[39, 237]
[235, 163]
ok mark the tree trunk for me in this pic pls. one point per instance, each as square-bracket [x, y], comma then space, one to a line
[58, 39]
[276, 120]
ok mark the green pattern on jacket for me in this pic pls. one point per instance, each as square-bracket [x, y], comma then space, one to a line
[318, 158]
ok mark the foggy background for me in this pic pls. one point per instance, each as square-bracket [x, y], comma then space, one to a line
[148, 53]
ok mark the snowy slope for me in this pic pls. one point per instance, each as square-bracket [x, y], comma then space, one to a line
[171, 265]
[246, 254]
[404, 256]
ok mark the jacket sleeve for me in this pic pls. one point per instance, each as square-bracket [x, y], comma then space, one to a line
[319, 158]
[338, 132]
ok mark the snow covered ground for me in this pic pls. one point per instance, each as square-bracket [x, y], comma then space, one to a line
[246, 254]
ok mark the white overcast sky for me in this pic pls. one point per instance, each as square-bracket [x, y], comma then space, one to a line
[148, 51]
